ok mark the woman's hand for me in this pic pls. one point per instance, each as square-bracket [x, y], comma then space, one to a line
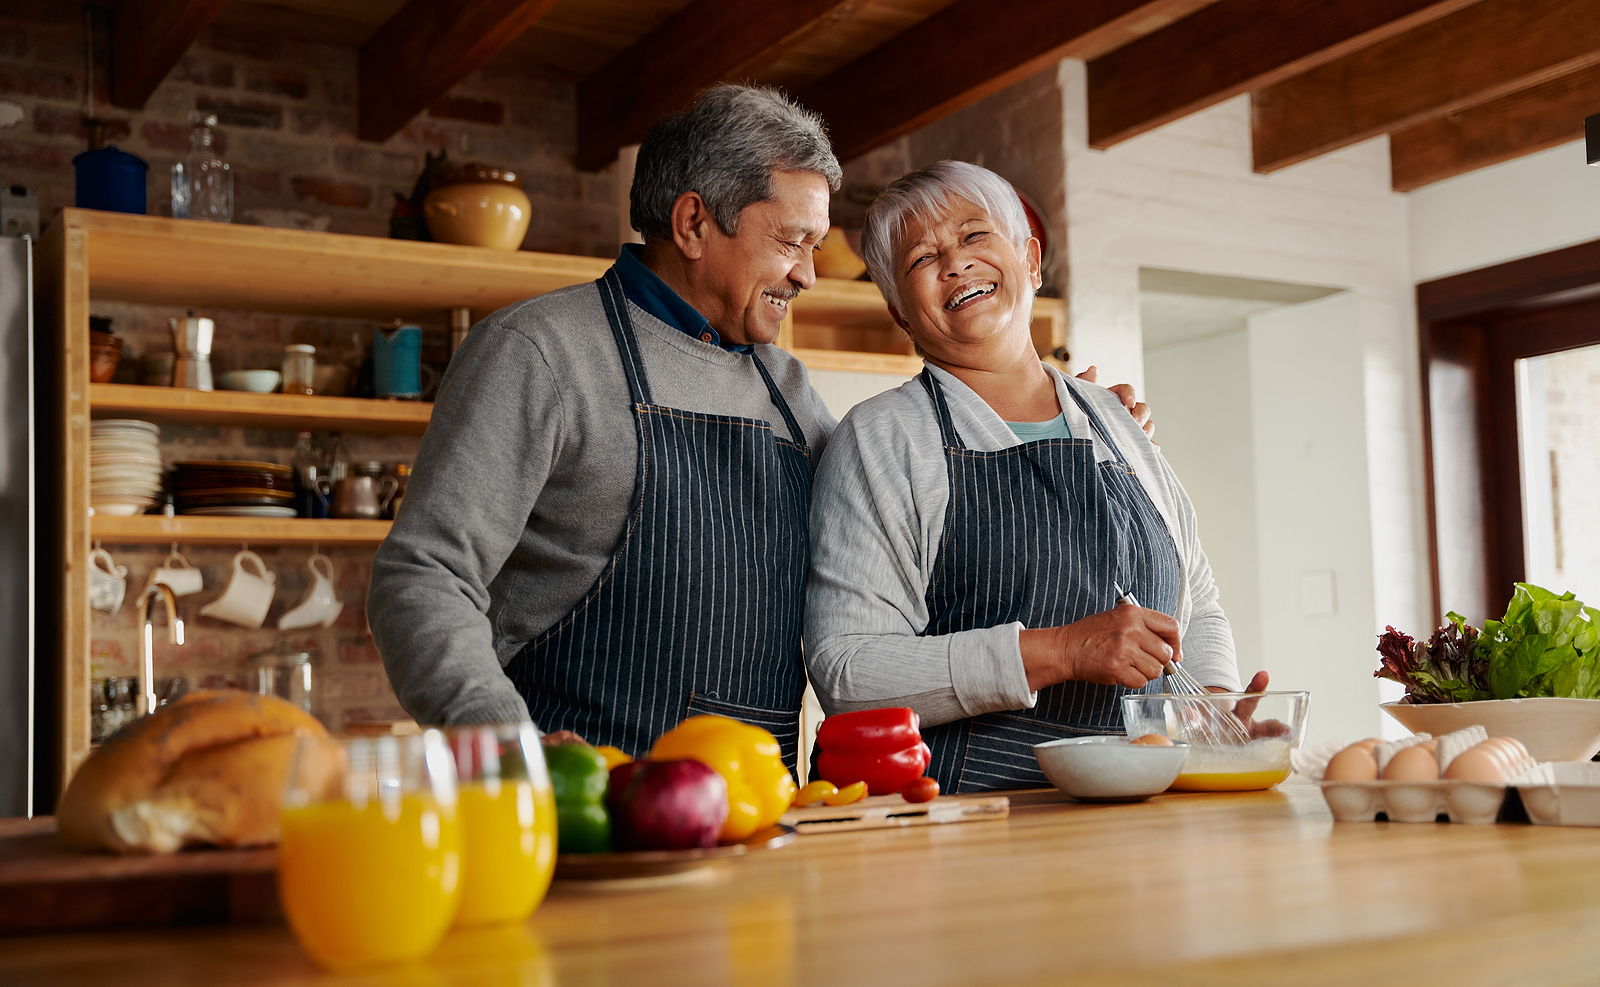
[1126, 646]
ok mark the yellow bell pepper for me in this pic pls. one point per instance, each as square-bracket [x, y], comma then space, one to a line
[747, 757]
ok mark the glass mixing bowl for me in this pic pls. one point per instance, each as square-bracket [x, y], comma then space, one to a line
[1238, 741]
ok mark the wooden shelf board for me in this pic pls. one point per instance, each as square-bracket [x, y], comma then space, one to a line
[153, 529]
[876, 363]
[287, 411]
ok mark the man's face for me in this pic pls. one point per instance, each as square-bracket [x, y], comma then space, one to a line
[962, 282]
[749, 278]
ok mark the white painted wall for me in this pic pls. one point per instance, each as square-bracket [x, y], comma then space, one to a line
[842, 390]
[1316, 556]
[1536, 203]
[1184, 198]
[1204, 424]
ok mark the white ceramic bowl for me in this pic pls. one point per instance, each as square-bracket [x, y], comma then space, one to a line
[258, 381]
[1109, 769]
[1552, 729]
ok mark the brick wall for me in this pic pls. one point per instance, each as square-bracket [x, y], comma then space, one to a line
[287, 115]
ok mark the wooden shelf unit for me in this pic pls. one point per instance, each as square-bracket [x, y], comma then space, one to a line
[179, 406]
[151, 529]
[88, 256]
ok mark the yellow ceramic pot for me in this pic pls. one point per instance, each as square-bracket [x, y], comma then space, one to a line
[837, 259]
[479, 206]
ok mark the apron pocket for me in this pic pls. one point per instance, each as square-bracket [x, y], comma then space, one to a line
[784, 725]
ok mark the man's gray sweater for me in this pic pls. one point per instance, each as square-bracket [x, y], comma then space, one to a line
[522, 486]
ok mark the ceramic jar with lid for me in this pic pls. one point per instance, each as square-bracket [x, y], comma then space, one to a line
[478, 205]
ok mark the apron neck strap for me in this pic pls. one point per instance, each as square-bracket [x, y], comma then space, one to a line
[777, 399]
[947, 427]
[616, 306]
[1098, 426]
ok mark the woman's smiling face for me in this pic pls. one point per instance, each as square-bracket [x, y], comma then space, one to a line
[964, 283]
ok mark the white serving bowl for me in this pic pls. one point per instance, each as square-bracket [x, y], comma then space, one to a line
[1109, 769]
[257, 381]
[1552, 729]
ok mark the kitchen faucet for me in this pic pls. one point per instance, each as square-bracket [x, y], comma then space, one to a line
[147, 639]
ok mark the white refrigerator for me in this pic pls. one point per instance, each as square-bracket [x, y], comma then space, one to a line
[18, 575]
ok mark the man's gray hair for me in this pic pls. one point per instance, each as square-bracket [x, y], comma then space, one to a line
[923, 196]
[726, 146]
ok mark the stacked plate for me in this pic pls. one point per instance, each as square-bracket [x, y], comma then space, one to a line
[237, 488]
[124, 466]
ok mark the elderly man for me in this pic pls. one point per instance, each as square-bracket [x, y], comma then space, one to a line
[606, 528]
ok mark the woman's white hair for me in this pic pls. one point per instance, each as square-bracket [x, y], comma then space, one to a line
[923, 196]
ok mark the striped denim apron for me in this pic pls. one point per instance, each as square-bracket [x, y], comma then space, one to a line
[699, 610]
[1038, 533]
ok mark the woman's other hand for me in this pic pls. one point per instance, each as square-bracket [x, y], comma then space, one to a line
[1126, 646]
[1124, 392]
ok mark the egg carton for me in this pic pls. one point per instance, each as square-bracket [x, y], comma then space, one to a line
[1471, 802]
[1418, 801]
[1563, 793]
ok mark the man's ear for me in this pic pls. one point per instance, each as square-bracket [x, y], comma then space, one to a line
[1035, 263]
[691, 224]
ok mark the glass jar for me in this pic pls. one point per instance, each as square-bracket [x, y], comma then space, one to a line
[299, 369]
[287, 672]
[202, 183]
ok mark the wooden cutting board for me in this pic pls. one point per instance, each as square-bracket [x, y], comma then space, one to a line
[890, 811]
[46, 886]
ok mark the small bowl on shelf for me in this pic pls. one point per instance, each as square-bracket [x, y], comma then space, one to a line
[254, 381]
[1553, 729]
[1238, 741]
[1109, 769]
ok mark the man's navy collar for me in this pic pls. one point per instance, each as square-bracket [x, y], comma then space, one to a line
[646, 289]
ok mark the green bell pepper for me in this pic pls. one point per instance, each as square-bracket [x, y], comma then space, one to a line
[578, 776]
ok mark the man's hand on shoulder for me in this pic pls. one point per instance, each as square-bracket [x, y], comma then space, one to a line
[1124, 392]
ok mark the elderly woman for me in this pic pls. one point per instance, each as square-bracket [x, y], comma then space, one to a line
[970, 528]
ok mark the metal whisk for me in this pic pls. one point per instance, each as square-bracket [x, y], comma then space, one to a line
[1210, 724]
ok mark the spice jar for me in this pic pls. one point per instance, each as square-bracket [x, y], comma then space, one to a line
[402, 476]
[299, 369]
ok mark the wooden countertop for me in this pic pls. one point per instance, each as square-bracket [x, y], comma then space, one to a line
[1180, 889]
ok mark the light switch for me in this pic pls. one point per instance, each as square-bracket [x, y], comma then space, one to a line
[1317, 596]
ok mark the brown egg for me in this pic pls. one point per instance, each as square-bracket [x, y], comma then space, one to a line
[1354, 763]
[1415, 763]
[1480, 763]
[1152, 740]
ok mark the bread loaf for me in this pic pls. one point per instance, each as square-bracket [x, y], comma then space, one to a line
[207, 769]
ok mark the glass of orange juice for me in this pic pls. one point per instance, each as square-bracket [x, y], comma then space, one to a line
[508, 822]
[369, 860]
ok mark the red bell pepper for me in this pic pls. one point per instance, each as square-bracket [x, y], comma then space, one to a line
[882, 747]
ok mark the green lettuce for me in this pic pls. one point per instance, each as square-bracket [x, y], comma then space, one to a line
[1545, 645]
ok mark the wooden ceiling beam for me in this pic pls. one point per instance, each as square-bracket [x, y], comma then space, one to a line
[1530, 120]
[1235, 47]
[965, 52]
[147, 39]
[1486, 51]
[704, 43]
[426, 48]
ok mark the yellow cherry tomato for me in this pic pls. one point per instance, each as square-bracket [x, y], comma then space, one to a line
[613, 755]
[816, 791]
[847, 794]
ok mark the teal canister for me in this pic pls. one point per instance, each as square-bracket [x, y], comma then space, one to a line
[397, 362]
[110, 179]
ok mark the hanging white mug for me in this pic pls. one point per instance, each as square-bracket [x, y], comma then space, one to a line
[108, 582]
[248, 595]
[319, 605]
[179, 575]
